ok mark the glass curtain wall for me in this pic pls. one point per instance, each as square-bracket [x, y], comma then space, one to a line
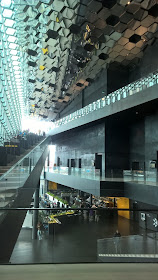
[13, 80]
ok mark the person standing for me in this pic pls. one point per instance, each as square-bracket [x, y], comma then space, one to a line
[97, 213]
[39, 232]
[117, 236]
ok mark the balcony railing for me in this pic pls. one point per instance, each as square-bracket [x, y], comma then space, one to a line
[111, 98]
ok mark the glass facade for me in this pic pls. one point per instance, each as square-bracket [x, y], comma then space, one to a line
[13, 92]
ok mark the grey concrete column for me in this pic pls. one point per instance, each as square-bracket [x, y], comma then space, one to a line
[35, 213]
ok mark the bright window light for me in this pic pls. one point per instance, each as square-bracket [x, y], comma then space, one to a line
[16, 67]
[15, 62]
[6, 3]
[35, 125]
[12, 39]
[10, 31]
[7, 13]
[14, 52]
[12, 46]
[0, 18]
[14, 57]
[9, 22]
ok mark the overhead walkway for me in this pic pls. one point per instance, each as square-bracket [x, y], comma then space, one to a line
[17, 186]
[137, 93]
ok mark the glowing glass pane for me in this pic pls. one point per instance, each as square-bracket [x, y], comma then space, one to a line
[7, 13]
[9, 22]
[14, 57]
[16, 67]
[6, 3]
[12, 39]
[12, 46]
[14, 52]
[10, 31]
[15, 62]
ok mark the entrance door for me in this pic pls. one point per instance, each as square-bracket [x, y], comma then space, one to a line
[58, 161]
[79, 163]
[135, 213]
[72, 162]
[98, 163]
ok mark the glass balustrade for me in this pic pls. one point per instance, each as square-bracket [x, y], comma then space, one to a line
[138, 176]
[69, 233]
[14, 179]
[113, 97]
[89, 173]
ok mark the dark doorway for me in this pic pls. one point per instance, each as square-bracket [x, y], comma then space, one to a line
[135, 212]
[72, 162]
[68, 162]
[79, 163]
[98, 162]
[58, 161]
[135, 165]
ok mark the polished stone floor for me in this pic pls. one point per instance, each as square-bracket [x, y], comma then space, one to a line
[75, 243]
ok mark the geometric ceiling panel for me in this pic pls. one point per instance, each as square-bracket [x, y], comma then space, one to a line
[55, 46]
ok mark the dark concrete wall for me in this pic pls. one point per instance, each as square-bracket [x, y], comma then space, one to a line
[82, 144]
[151, 139]
[137, 143]
[144, 141]
[116, 148]
[148, 64]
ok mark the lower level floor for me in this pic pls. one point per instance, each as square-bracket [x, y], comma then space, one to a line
[76, 242]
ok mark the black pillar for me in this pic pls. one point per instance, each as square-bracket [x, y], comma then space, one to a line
[35, 213]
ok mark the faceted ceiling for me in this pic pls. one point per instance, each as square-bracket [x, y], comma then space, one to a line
[64, 44]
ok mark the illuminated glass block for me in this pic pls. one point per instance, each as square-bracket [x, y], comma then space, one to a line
[9, 22]
[14, 52]
[15, 62]
[10, 31]
[6, 3]
[13, 46]
[7, 13]
[11, 39]
[16, 68]
[14, 57]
